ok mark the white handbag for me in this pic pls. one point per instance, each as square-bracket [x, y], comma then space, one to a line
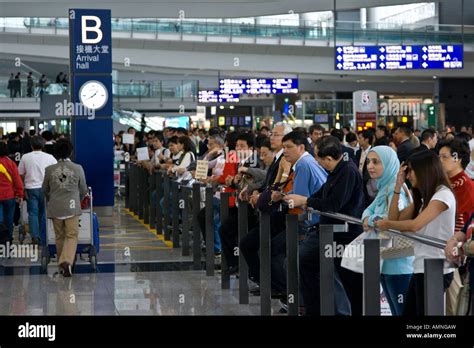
[353, 257]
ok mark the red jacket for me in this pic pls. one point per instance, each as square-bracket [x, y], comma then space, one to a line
[11, 185]
[463, 188]
[230, 168]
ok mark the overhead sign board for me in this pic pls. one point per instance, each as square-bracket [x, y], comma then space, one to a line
[91, 41]
[216, 97]
[399, 57]
[258, 86]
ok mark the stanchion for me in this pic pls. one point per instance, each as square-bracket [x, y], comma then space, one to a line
[293, 263]
[132, 188]
[209, 233]
[127, 186]
[141, 190]
[166, 207]
[265, 265]
[434, 287]
[225, 276]
[196, 228]
[136, 171]
[159, 197]
[326, 270]
[175, 212]
[185, 195]
[243, 268]
[371, 277]
[146, 197]
[152, 204]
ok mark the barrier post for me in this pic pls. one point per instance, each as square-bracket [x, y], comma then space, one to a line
[434, 287]
[166, 207]
[196, 228]
[175, 212]
[243, 268]
[371, 277]
[209, 233]
[265, 265]
[159, 196]
[225, 276]
[185, 194]
[293, 264]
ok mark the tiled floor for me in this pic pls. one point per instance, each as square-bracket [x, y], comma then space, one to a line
[137, 276]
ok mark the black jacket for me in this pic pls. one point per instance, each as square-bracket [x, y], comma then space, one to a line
[342, 193]
[404, 150]
[271, 173]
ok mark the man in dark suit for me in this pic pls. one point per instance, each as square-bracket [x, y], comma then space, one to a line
[404, 146]
[347, 152]
[203, 141]
[250, 244]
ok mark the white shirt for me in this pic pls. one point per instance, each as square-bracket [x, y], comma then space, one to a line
[33, 165]
[278, 155]
[158, 152]
[363, 156]
[441, 227]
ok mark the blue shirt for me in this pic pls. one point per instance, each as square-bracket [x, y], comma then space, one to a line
[309, 178]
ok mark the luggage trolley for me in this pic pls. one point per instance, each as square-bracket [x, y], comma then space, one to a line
[88, 238]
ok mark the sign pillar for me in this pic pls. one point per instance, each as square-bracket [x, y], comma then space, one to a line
[90, 61]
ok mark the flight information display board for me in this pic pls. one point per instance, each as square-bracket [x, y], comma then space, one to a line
[258, 86]
[216, 97]
[401, 57]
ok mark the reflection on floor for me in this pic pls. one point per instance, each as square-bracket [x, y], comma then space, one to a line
[138, 274]
[148, 293]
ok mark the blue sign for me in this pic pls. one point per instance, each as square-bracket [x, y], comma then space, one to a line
[399, 57]
[94, 92]
[216, 97]
[91, 41]
[258, 86]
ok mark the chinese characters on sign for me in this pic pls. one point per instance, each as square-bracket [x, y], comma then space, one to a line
[403, 57]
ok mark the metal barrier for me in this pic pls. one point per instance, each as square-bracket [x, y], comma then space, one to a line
[175, 204]
[196, 228]
[224, 214]
[209, 232]
[177, 199]
[243, 268]
[265, 265]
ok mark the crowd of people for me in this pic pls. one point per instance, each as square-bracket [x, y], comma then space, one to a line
[37, 169]
[34, 87]
[415, 182]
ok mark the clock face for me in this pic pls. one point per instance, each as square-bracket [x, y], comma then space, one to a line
[93, 95]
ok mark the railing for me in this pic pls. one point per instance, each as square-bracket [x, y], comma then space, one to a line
[346, 31]
[173, 207]
[35, 92]
[163, 90]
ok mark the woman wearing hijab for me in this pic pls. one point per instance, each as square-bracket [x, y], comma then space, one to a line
[383, 166]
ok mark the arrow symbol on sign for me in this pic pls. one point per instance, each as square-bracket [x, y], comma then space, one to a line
[339, 58]
[382, 65]
[424, 65]
[339, 66]
[382, 58]
[339, 49]
[425, 56]
[382, 49]
[424, 49]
